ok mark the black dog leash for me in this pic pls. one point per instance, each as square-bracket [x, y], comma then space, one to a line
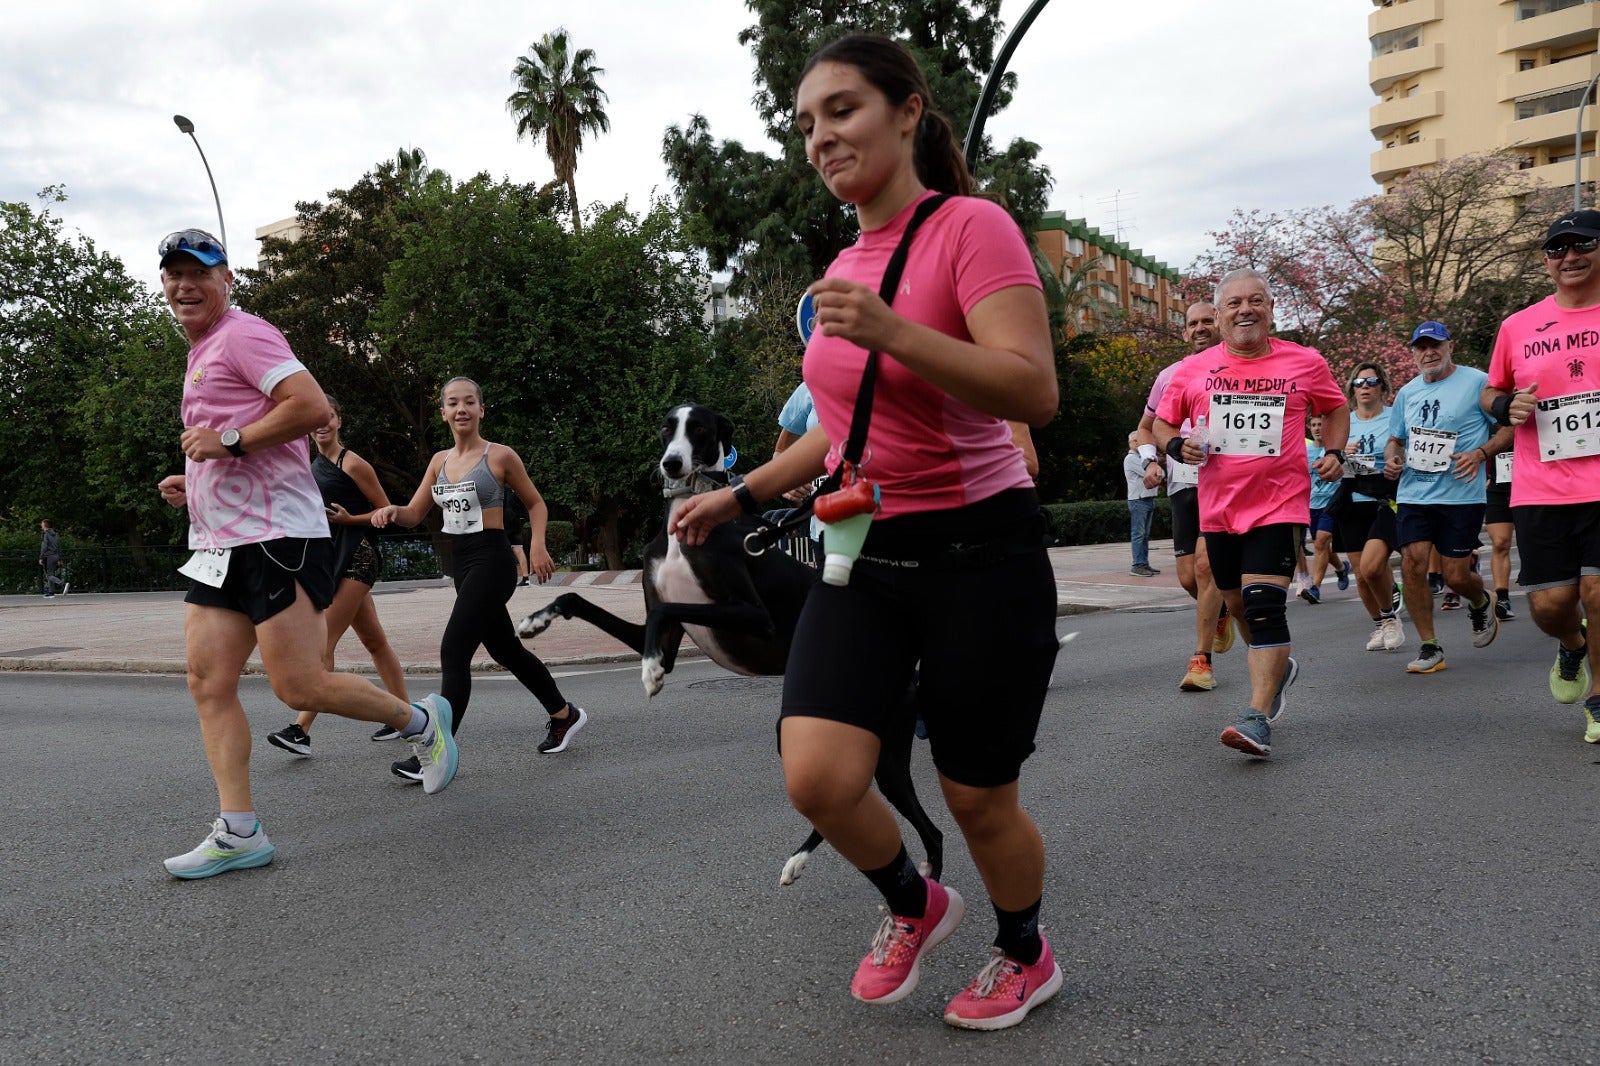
[855, 445]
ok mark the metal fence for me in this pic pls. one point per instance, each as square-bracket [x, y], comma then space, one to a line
[103, 568]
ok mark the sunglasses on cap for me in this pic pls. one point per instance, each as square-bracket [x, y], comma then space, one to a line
[1559, 251]
[1370, 382]
[190, 240]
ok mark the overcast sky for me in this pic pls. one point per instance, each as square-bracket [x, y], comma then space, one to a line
[1163, 115]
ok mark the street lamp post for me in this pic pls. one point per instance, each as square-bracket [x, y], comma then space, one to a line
[991, 84]
[1577, 147]
[186, 126]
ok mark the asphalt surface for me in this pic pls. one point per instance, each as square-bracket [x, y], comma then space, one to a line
[1409, 879]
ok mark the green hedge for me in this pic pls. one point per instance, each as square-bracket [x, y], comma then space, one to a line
[1103, 521]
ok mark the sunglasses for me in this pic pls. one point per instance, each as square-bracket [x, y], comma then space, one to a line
[190, 240]
[1559, 251]
[1369, 383]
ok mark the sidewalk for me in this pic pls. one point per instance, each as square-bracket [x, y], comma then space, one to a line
[143, 632]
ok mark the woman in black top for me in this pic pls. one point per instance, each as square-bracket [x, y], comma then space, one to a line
[351, 492]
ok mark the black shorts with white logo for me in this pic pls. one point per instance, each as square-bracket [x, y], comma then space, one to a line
[1268, 550]
[1185, 521]
[262, 578]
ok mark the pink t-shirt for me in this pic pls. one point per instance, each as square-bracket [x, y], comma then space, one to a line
[926, 449]
[267, 494]
[1265, 481]
[1558, 347]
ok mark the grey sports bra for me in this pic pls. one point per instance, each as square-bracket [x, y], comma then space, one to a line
[490, 492]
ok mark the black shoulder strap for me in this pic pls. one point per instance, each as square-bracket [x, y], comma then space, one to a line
[855, 446]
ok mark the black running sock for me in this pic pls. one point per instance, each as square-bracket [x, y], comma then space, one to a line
[1208, 656]
[1019, 936]
[902, 886]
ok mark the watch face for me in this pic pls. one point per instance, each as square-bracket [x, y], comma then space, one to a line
[230, 438]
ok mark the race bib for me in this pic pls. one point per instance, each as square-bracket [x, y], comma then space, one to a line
[459, 502]
[1362, 465]
[1569, 426]
[1502, 468]
[1428, 451]
[209, 566]
[1182, 476]
[1247, 424]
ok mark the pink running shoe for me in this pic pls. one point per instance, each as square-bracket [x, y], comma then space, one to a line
[1004, 992]
[889, 972]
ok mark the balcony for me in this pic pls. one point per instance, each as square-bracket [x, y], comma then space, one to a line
[1557, 128]
[1559, 29]
[1559, 175]
[1551, 77]
[1384, 71]
[1400, 16]
[1391, 114]
[1388, 163]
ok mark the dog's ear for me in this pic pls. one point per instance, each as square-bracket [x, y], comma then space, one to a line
[725, 433]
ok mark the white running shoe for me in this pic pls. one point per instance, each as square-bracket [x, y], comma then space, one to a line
[1375, 642]
[1394, 634]
[222, 851]
[435, 746]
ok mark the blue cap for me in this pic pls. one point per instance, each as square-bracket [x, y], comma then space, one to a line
[196, 242]
[1434, 330]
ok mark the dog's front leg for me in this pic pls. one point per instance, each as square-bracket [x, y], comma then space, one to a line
[662, 638]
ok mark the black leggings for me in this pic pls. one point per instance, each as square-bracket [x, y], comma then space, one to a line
[485, 578]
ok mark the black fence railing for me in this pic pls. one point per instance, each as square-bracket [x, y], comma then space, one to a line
[103, 568]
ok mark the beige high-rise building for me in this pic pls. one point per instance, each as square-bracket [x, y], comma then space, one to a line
[1455, 77]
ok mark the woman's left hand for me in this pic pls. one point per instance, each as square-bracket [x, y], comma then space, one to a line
[856, 313]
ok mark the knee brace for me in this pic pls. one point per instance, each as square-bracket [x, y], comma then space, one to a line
[1263, 610]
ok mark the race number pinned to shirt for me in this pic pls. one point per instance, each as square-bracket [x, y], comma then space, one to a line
[209, 566]
[1569, 426]
[459, 502]
[1182, 476]
[1428, 451]
[1502, 468]
[1245, 423]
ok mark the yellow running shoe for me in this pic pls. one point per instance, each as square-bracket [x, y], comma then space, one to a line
[1224, 638]
[1199, 678]
[1591, 711]
[1569, 676]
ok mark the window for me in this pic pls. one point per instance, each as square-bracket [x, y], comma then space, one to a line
[1074, 246]
[1413, 138]
[1549, 103]
[1527, 64]
[1414, 90]
[1396, 41]
[1530, 9]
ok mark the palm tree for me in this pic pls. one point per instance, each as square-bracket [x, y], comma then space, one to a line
[557, 95]
[1074, 295]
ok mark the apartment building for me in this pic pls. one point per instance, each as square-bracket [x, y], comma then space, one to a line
[1456, 77]
[1126, 279]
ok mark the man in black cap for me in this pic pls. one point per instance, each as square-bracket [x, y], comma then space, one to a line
[261, 574]
[1544, 379]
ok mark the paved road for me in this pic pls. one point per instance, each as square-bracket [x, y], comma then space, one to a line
[1410, 879]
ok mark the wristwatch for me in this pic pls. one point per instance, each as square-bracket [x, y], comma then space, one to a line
[741, 493]
[230, 441]
[1339, 452]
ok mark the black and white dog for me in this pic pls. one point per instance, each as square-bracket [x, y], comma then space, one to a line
[741, 610]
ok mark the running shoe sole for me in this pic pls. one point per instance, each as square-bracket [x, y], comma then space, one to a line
[1432, 668]
[566, 738]
[1045, 991]
[1240, 742]
[1291, 671]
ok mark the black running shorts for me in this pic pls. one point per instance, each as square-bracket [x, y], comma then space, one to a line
[262, 578]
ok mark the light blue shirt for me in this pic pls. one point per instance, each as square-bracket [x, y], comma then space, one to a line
[1321, 491]
[1368, 438]
[1450, 405]
[799, 414]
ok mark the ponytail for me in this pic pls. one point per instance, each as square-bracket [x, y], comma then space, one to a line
[941, 165]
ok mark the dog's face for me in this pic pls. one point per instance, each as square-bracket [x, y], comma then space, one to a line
[694, 438]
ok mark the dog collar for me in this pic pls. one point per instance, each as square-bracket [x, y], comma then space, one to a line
[693, 485]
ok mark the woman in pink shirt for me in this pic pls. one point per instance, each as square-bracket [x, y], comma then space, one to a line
[958, 534]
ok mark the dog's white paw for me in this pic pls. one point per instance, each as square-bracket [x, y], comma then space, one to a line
[651, 674]
[792, 868]
[535, 623]
[1068, 639]
[925, 868]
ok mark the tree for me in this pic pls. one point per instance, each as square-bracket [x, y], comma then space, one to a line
[767, 215]
[558, 95]
[74, 327]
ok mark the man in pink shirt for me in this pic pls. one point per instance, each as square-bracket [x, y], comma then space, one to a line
[1544, 379]
[261, 574]
[1255, 393]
